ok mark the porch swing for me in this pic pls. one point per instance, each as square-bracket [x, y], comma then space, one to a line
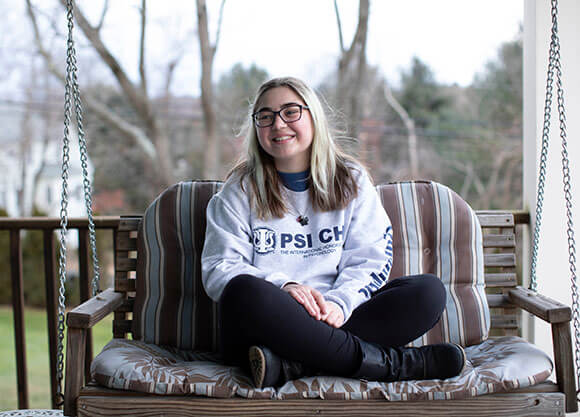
[170, 365]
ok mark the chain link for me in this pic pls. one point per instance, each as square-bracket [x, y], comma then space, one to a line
[555, 67]
[72, 94]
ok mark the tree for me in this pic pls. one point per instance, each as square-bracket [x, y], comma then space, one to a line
[235, 92]
[499, 88]
[207, 52]
[411, 131]
[421, 95]
[498, 94]
[352, 68]
[146, 132]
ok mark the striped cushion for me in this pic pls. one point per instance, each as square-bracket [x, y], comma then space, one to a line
[171, 307]
[435, 231]
[496, 365]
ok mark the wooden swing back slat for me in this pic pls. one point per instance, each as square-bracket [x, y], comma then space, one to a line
[505, 298]
[500, 279]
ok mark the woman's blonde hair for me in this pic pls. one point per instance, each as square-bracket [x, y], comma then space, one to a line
[332, 182]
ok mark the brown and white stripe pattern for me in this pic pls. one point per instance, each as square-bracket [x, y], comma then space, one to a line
[171, 307]
[435, 231]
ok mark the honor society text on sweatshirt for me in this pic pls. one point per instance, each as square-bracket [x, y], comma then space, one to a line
[345, 254]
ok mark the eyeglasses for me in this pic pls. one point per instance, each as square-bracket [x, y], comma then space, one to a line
[289, 114]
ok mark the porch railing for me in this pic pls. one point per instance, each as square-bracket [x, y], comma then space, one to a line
[48, 226]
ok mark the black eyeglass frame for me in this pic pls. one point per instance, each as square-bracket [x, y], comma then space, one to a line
[279, 114]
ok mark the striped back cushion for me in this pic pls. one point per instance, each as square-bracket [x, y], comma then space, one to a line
[435, 231]
[171, 307]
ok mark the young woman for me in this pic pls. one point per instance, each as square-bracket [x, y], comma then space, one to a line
[297, 254]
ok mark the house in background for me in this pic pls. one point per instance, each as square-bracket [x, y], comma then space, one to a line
[30, 165]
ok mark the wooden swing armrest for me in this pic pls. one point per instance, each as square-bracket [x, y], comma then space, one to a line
[79, 320]
[94, 310]
[559, 316]
[541, 306]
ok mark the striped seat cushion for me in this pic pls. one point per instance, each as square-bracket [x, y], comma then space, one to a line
[435, 231]
[171, 307]
[494, 366]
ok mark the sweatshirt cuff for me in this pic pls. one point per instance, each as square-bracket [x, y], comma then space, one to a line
[336, 300]
[278, 279]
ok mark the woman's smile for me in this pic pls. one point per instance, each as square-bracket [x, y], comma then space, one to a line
[283, 139]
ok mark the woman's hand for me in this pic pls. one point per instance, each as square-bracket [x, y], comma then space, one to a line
[335, 316]
[315, 304]
[311, 299]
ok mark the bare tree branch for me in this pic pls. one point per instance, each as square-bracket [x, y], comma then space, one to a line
[218, 31]
[169, 74]
[360, 34]
[47, 119]
[103, 14]
[410, 126]
[38, 39]
[131, 131]
[207, 95]
[339, 26]
[471, 177]
[55, 25]
[137, 98]
[134, 95]
[24, 148]
[492, 182]
[142, 72]
[361, 69]
[350, 77]
[127, 129]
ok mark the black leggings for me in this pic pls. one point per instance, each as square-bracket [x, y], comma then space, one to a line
[255, 312]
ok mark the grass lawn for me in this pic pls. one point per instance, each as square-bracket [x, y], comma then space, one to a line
[36, 357]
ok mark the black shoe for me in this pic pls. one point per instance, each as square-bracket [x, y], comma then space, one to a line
[440, 361]
[444, 360]
[268, 370]
[265, 366]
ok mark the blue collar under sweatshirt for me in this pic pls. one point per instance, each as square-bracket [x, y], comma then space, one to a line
[295, 181]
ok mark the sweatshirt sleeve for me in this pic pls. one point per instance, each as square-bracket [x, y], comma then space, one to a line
[228, 250]
[367, 255]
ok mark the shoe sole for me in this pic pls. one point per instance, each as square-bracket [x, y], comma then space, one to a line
[257, 365]
[464, 357]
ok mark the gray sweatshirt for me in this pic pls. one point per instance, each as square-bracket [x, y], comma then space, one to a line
[345, 254]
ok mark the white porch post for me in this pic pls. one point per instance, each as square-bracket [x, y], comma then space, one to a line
[552, 267]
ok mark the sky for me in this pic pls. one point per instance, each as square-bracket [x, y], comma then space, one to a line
[300, 38]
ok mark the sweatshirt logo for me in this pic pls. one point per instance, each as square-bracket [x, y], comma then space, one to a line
[264, 240]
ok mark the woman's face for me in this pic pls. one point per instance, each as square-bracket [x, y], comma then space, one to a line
[288, 143]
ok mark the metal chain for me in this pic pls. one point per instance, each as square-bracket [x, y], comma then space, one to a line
[544, 153]
[568, 199]
[84, 158]
[71, 94]
[555, 66]
[64, 218]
